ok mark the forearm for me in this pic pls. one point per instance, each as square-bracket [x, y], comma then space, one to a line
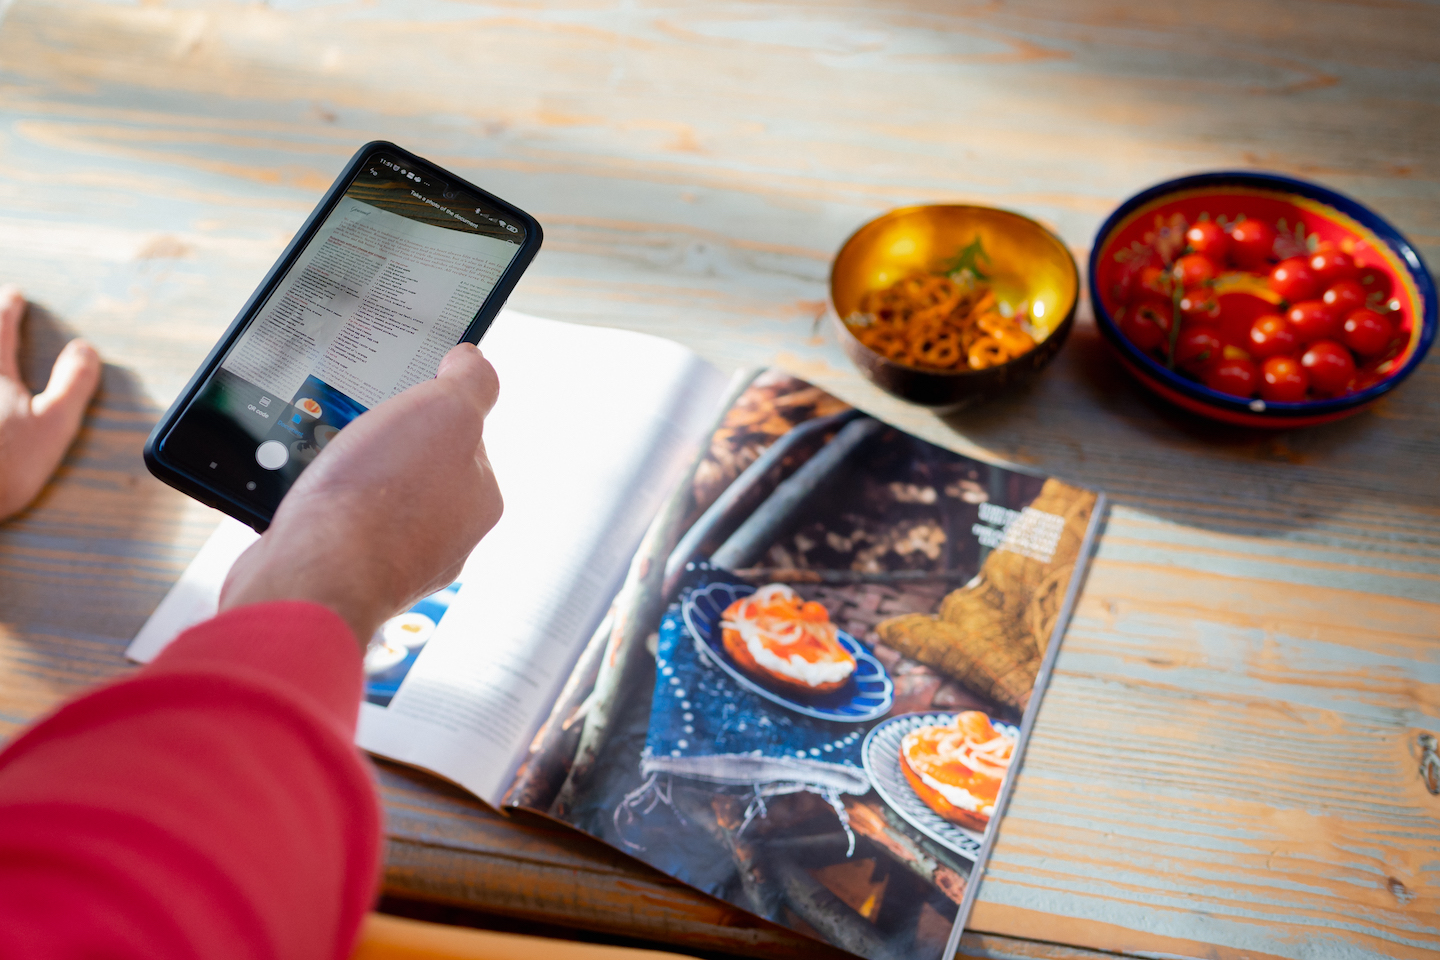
[211, 805]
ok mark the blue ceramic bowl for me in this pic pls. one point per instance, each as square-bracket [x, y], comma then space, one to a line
[867, 695]
[1151, 225]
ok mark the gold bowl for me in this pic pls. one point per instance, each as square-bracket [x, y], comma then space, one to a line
[1027, 264]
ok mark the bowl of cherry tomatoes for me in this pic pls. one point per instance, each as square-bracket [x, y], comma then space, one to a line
[1260, 300]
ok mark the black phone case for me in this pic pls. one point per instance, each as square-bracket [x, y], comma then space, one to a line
[195, 486]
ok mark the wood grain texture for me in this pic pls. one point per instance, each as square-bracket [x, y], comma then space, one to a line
[1225, 763]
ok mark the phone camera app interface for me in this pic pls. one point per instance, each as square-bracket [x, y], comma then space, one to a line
[384, 289]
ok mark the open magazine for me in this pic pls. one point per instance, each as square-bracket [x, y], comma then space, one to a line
[740, 630]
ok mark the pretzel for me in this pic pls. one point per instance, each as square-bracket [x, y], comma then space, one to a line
[941, 352]
[929, 321]
[986, 352]
[1015, 341]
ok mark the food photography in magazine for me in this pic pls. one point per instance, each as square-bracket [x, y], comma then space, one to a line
[809, 707]
[764, 642]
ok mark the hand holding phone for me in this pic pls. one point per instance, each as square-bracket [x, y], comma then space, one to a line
[390, 514]
[400, 261]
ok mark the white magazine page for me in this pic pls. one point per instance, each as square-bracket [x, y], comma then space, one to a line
[593, 429]
[598, 427]
[196, 595]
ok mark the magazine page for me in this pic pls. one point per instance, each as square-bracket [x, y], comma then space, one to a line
[593, 429]
[819, 676]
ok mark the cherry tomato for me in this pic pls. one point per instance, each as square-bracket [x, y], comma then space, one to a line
[1155, 281]
[1294, 280]
[1147, 324]
[1143, 284]
[1312, 320]
[1234, 375]
[1198, 345]
[1331, 264]
[1283, 380]
[1192, 270]
[1344, 297]
[1330, 366]
[1271, 336]
[1200, 305]
[1367, 332]
[1209, 239]
[1252, 243]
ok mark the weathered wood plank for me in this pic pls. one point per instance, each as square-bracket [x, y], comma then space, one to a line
[1221, 766]
[1238, 742]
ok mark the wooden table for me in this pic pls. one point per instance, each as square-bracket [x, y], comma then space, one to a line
[1226, 763]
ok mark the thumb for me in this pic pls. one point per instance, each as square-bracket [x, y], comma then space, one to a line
[73, 380]
[12, 311]
[466, 368]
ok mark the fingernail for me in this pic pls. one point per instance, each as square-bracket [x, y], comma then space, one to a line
[83, 349]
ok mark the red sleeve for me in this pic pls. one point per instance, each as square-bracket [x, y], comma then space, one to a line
[212, 805]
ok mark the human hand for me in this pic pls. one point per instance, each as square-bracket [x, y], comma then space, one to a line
[389, 510]
[35, 431]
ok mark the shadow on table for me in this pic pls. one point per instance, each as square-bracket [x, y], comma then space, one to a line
[88, 561]
[1087, 420]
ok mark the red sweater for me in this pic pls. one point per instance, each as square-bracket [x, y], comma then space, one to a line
[211, 805]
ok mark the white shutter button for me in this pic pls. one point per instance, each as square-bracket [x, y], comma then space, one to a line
[272, 454]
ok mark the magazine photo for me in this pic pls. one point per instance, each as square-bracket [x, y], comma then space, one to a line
[822, 703]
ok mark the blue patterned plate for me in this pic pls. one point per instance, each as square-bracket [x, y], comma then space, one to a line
[881, 756]
[867, 695]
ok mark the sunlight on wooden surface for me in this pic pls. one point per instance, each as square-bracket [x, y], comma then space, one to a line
[1224, 765]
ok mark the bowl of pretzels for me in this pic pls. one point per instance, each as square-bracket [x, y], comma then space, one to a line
[945, 304]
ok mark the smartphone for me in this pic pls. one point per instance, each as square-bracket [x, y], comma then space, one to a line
[400, 261]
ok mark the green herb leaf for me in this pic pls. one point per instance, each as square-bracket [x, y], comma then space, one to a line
[969, 259]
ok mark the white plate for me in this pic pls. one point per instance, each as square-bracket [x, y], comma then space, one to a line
[881, 756]
[382, 657]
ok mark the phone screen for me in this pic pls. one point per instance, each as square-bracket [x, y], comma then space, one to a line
[391, 280]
